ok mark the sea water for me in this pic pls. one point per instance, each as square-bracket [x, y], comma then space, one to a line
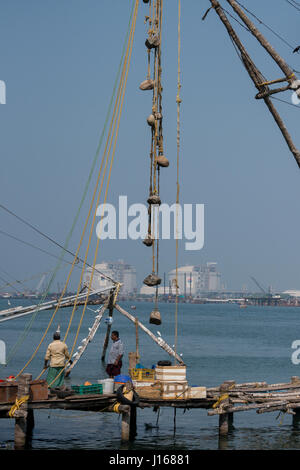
[218, 342]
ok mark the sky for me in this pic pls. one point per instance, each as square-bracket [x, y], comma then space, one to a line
[59, 60]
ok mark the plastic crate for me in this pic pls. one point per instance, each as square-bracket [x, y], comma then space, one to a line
[85, 389]
[142, 375]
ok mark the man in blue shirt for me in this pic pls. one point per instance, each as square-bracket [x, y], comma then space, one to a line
[116, 352]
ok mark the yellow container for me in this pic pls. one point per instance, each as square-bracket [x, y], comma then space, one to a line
[142, 375]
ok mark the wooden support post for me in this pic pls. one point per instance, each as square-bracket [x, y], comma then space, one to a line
[226, 419]
[223, 424]
[22, 430]
[296, 417]
[132, 359]
[110, 309]
[174, 421]
[230, 421]
[132, 431]
[128, 430]
[125, 430]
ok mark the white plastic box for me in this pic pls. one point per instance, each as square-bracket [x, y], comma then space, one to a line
[197, 392]
[170, 373]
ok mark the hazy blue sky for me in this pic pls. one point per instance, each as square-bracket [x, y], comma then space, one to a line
[59, 59]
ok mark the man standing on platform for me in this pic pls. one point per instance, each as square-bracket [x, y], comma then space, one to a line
[115, 356]
[58, 354]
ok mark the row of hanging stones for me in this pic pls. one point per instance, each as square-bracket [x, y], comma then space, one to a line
[157, 158]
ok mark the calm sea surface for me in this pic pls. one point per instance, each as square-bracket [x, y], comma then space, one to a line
[218, 342]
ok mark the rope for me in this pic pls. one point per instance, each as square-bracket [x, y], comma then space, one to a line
[17, 405]
[81, 240]
[155, 28]
[117, 123]
[23, 281]
[278, 80]
[294, 4]
[222, 398]
[178, 101]
[27, 329]
[32, 246]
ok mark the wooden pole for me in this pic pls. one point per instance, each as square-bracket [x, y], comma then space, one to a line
[174, 421]
[137, 339]
[266, 45]
[256, 77]
[125, 434]
[22, 430]
[226, 419]
[133, 428]
[126, 421]
[110, 314]
[296, 416]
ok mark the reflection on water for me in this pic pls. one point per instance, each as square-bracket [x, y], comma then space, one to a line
[218, 342]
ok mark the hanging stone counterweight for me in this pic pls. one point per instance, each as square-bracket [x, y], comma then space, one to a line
[148, 241]
[152, 280]
[147, 84]
[151, 120]
[155, 317]
[152, 42]
[154, 200]
[162, 161]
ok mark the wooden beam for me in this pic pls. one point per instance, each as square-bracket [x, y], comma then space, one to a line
[256, 76]
[262, 40]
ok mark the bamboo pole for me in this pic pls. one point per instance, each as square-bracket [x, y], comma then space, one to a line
[265, 44]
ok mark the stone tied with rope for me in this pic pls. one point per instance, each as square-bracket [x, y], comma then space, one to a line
[155, 121]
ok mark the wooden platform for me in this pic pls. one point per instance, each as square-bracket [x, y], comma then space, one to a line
[224, 401]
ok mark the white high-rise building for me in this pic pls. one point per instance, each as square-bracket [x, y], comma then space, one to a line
[187, 280]
[117, 271]
[192, 280]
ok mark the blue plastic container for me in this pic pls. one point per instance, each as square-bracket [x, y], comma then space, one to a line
[122, 379]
